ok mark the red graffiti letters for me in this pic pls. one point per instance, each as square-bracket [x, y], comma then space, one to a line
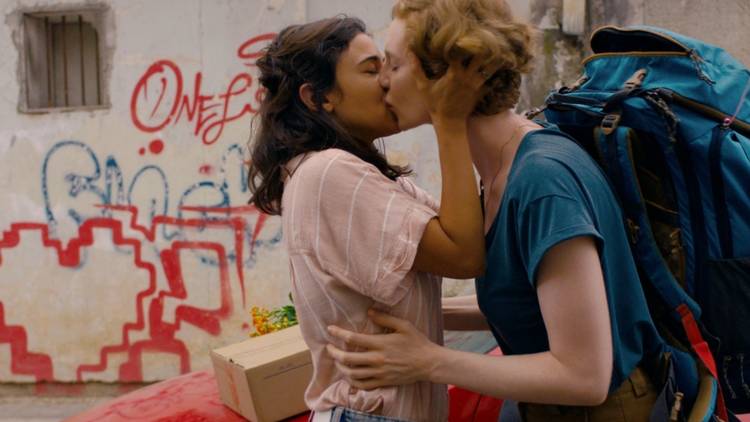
[160, 97]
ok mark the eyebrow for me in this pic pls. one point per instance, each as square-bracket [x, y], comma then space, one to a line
[390, 56]
[371, 58]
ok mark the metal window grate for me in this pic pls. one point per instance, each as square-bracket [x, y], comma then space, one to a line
[62, 61]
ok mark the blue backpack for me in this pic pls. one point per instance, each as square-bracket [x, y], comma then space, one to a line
[668, 119]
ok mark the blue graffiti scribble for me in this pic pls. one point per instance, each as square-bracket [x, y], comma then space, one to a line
[154, 202]
[153, 208]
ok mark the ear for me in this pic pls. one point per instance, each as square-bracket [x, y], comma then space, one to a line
[306, 95]
[330, 100]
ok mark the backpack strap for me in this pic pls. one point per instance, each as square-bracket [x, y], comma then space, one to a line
[700, 347]
[617, 153]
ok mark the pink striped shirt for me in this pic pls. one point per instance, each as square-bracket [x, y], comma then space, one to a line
[352, 236]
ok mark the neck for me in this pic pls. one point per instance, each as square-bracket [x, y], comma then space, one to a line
[487, 136]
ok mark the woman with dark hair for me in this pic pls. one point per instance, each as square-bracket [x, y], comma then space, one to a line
[358, 233]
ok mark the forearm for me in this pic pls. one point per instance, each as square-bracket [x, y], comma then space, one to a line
[462, 313]
[536, 378]
[460, 212]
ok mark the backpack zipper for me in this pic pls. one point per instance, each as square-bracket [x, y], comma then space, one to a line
[697, 60]
[712, 113]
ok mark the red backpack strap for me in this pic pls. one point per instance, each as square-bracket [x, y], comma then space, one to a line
[700, 347]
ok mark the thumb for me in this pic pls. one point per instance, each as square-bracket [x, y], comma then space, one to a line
[418, 72]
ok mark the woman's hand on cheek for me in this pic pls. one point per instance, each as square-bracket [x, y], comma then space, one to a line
[403, 356]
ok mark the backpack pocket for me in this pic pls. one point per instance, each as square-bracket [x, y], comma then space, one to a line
[729, 166]
[726, 314]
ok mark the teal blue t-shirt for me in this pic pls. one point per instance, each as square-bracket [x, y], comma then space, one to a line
[555, 192]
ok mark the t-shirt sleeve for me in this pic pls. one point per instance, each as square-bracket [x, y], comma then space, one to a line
[367, 228]
[419, 194]
[548, 221]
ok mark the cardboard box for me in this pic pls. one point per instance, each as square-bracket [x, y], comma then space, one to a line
[264, 378]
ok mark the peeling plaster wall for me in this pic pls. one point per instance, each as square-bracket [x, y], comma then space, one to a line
[558, 55]
[720, 22]
[127, 250]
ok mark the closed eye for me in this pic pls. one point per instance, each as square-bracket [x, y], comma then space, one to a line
[371, 65]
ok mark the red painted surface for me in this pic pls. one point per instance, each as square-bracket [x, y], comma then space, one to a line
[23, 362]
[160, 328]
[195, 397]
[190, 397]
[252, 49]
[160, 97]
[206, 169]
[156, 146]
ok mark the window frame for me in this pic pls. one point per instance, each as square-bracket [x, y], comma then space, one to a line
[96, 17]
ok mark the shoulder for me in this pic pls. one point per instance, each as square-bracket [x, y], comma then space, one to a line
[417, 193]
[551, 163]
[550, 149]
[335, 173]
[331, 167]
[317, 163]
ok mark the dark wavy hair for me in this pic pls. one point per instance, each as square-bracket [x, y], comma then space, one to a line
[287, 127]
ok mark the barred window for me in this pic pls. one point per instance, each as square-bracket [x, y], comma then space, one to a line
[63, 61]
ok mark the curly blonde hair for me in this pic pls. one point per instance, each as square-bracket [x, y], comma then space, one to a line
[441, 31]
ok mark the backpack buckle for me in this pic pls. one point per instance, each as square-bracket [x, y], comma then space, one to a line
[636, 81]
[610, 123]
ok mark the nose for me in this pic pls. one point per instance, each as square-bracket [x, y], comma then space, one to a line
[384, 79]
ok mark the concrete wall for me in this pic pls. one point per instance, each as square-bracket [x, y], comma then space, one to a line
[127, 250]
[719, 22]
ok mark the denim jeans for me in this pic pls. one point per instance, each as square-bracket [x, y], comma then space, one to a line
[341, 414]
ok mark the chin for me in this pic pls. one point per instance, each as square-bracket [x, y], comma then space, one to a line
[406, 125]
[390, 131]
[406, 122]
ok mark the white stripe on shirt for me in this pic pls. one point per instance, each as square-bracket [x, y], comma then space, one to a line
[382, 238]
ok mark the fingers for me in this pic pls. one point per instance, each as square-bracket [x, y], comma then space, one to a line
[389, 321]
[362, 369]
[417, 72]
[369, 384]
[482, 66]
[358, 374]
[488, 71]
[367, 341]
[473, 76]
[354, 358]
[475, 66]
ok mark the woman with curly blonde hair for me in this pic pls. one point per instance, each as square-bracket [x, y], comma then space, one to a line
[561, 293]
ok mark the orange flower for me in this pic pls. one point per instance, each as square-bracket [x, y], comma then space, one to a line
[265, 321]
